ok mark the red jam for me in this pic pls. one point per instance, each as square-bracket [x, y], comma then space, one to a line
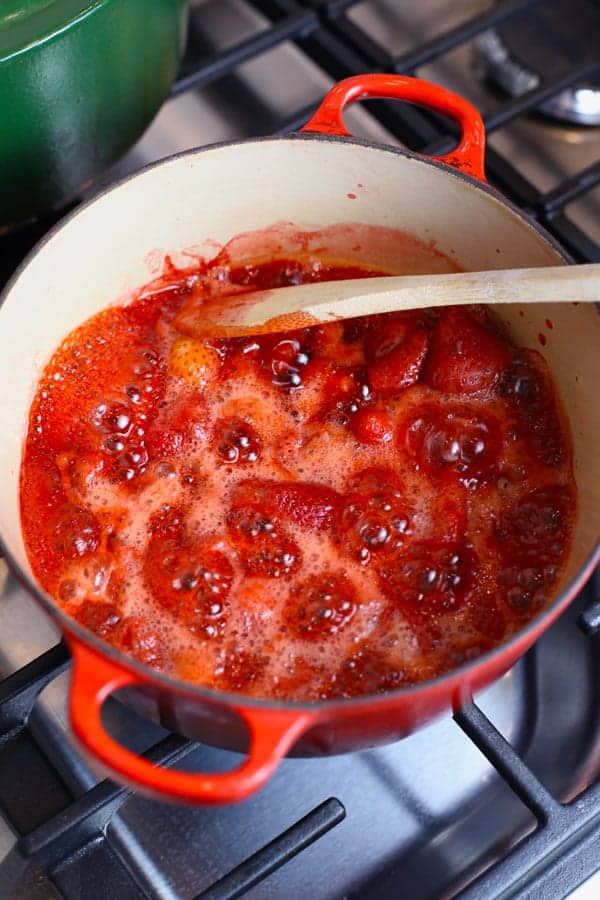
[326, 512]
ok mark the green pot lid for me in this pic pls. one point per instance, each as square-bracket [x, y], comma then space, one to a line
[27, 23]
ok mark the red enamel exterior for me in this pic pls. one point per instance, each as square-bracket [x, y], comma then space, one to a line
[271, 730]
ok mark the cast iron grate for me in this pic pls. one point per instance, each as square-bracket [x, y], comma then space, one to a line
[54, 823]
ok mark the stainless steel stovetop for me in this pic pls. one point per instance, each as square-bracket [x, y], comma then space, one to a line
[427, 812]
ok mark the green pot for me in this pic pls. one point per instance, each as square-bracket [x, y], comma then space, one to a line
[80, 80]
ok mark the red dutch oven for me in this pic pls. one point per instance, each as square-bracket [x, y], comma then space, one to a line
[318, 179]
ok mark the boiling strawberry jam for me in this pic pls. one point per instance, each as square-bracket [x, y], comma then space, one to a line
[326, 512]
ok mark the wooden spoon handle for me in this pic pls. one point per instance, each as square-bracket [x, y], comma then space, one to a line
[326, 301]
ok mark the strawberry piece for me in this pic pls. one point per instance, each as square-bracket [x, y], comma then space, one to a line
[265, 549]
[376, 480]
[487, 618]
[345, 392]
[138, 638]
[320, 606]
[237, 442]
[366, 672]
[187, 576]
[191, 580]
[402, 366]
[164, 443]
[465, 357]
[286, 360]
[238, 669]
[527, 387]
[431, 577]
[76, 532]
[310, 399]
[308, 504]
[374, 521]
[448, 515]
[248, 518]
[269, 555]
[456, 440]
[537, 526]
[166, 522]
[301, 679]
[80, 472]
[101, 618]
[176, 427]
[384, 333]
[372, 426]
[196, 362]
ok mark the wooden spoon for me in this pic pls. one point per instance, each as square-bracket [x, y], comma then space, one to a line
[260, 312]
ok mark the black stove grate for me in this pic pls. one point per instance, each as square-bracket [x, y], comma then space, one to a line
[56, 822]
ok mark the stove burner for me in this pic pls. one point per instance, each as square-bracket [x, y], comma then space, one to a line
[541, 43]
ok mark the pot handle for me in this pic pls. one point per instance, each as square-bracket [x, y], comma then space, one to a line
[469, 154]
[95, 677]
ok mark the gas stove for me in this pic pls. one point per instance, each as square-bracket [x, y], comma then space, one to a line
[503, 800]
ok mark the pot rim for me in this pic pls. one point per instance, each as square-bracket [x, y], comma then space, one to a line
[69, 626]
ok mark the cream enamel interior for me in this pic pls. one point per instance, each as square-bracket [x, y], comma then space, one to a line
[112, 246]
